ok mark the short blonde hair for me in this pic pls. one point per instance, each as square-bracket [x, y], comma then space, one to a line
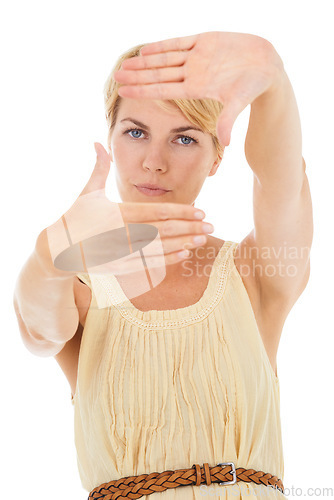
[201, 112]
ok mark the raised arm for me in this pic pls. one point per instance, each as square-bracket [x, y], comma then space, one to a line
[283, 221]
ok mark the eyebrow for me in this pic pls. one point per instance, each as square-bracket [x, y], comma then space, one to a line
[174, 130]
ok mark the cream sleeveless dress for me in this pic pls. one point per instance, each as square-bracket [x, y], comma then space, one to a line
[165, 389]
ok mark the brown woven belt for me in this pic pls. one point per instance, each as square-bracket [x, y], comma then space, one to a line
[145, 484]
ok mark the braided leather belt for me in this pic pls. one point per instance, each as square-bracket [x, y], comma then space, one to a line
[146, 484]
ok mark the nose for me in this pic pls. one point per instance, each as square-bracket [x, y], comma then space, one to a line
[155, 160]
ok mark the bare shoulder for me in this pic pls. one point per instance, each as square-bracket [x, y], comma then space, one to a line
[213, 243]
[251, 262]
[270, 317]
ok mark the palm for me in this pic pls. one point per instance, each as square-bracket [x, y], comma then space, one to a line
[232, 68]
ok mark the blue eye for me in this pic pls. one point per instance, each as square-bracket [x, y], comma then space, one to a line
[190, 139]
[136, 130]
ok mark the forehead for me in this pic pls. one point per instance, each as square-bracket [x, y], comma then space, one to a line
[148, 111]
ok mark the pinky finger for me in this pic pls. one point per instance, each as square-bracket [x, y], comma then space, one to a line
[180, 43]
[175, 257]
[183, 254]
[171, 90]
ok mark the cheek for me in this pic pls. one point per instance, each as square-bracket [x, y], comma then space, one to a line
[125, 159]
[192, 164]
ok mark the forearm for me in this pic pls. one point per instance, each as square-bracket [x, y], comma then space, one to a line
[273, 145]
[44, 303]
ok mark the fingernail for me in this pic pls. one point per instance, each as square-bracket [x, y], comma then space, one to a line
[183, 253]
[199, 215]
[207, 227]
[199, 239]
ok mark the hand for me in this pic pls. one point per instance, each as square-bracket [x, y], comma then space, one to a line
[104, 237]
[233, 68]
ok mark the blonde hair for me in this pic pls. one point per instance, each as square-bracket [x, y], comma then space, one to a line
[200, 112]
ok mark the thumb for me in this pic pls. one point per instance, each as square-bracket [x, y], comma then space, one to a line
[97, 180]
[226, 120]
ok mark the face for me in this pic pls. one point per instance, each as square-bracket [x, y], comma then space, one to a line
[148, 148]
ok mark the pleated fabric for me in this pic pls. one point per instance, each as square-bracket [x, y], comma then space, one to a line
[164, 389]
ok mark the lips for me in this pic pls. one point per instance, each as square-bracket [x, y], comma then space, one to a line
[152, 186]
[149, 191]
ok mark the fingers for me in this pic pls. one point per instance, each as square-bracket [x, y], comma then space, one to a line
[172, 228]
[174, 250]
[144, 76]
[155, 61]
[154, 91]
[98, 178]
[112, 248]
[176, 244]
[152, 248]
[158, 211]
[134, 264]
[180, 43]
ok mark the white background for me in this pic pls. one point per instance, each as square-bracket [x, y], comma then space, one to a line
[56, 58]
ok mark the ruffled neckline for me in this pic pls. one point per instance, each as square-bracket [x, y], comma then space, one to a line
[174, 318]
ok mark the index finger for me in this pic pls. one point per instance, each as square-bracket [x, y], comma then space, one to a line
[159, 211]
[179, 43]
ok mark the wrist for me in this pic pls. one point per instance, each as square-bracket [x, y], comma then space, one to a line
[274, 67]
[45, 260]
[276, 95]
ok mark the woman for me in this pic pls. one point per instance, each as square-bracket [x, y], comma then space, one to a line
[182, 377]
